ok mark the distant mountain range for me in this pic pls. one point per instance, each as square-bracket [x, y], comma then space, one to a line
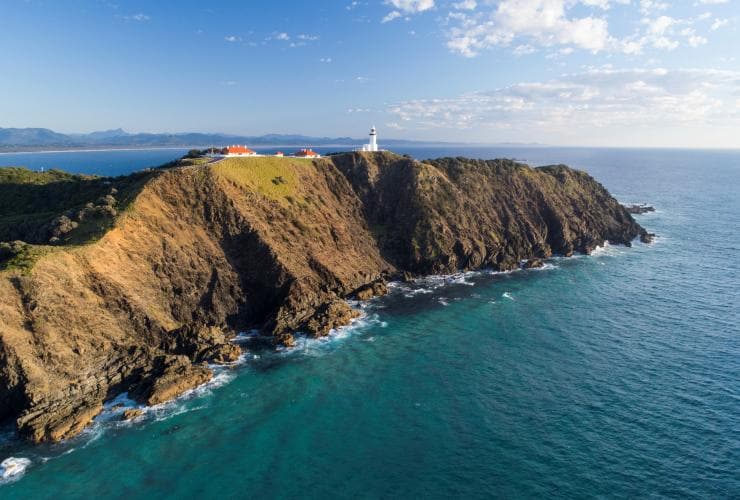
[43, 139]
[37, 139]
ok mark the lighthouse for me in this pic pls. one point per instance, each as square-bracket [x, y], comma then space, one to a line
[373, 146]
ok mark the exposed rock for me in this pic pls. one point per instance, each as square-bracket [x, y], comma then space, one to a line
[174, 375]
[222, 354]
[201, 343]
[63, 423]
[647, 237]
[329, 316]
[639, 208]
[132, 413]
[375, 289]
[534, 264]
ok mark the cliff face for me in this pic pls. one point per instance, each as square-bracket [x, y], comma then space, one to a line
[269, 243]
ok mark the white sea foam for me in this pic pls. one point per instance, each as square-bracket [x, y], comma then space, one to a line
[243, 337]
[508, 295]
[318, 346]
[416, 291]
[13, 468]
[607, 250]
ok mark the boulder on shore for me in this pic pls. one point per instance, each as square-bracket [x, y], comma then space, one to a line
[173, 375]
[331, 315]
[132, 413]
[639, 208]
[534, 264]
[375, 289]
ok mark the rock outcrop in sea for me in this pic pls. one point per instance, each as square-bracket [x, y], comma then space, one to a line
[278, 245]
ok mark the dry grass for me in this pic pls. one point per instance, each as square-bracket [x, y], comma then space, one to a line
[276, 178]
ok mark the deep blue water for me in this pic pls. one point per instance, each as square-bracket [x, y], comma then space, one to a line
[615, 375]
[106, 163]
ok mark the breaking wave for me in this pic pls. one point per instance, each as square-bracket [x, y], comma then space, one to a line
[12, 469]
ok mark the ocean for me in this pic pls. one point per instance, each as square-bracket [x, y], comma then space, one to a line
[615, 375]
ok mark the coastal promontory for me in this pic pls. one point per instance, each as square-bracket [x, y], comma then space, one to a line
[137, 284]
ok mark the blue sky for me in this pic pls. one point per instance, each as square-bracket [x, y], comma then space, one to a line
[568, 72]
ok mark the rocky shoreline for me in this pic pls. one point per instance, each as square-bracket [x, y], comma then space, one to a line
[639, 208]
[203, 252]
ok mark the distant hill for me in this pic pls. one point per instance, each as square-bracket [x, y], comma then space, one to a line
[39, 139]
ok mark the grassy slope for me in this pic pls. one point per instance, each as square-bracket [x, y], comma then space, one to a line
[30, 200]
[274, 178]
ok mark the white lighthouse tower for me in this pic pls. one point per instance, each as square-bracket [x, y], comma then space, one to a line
[373, 146]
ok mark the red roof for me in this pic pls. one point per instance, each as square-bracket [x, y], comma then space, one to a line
[238, 149]
[307, 153]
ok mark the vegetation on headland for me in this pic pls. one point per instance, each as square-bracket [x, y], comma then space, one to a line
[55, 208]
[42, 210]
[273, 177]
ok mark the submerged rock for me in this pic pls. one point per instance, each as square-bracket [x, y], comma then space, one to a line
[12, 467]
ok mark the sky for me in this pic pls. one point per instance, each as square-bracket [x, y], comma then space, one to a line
[632, 73]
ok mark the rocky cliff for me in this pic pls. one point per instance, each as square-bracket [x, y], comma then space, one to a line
[268, 243]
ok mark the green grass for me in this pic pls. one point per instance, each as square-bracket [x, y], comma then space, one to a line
[24, 260]
[274, 178]
[29, 200]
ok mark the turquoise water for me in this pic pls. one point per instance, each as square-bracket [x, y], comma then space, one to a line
[615, 375]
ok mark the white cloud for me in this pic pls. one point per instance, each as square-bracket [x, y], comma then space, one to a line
[599, 98]
[602, 4]
[411, 6]
[406, 7]
[545, 22]
[391, 16]
[649, 6]
[293, 41]
[713, 2]
[660, 25]
[465, 5]
[233, 38]
[140, 17]
[525, 49]
[696, 40]
[325, 60]
[719, 23]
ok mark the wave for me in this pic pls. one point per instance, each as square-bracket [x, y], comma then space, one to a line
[311, 346]
[13, 468]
